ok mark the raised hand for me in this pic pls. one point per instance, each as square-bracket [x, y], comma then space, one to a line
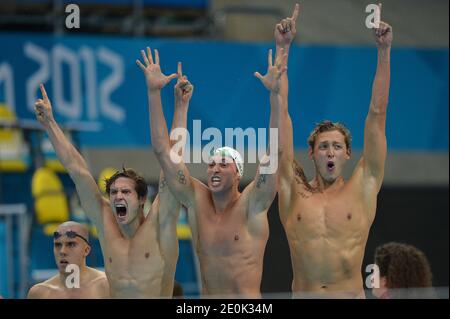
[183, 89]
[383, 34]
[285, 30]
[156, 80]
[272, 78]
[43, 108]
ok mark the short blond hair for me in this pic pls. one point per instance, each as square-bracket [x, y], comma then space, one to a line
[326, 126]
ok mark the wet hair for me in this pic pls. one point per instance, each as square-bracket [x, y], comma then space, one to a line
[403, 266]
[140, 184]
[327, 126]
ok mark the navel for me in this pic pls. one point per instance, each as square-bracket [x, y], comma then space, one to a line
[299, 218]
[236, 237]
[349, 216]
[147, 254]
[110, 260]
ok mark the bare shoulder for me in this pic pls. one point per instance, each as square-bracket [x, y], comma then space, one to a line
[97, 274]
[297, 183]
[108, 225]
[200, 188]
[199, 184]
[364, 188]
[99, 283]
[365, 184]
[37, 291]
[42, 289]
[98, 278]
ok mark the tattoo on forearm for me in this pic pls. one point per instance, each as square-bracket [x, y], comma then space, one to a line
[181, 178]
[261, 180]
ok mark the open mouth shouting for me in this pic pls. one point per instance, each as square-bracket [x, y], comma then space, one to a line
[121, 210]
[330, 166]
[215, 180]
[64, 262]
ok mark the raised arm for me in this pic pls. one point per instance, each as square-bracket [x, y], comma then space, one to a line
[375, 149]
[177, 175]
[90, 196]
[168, 205]
[284, 33]
[264, 187]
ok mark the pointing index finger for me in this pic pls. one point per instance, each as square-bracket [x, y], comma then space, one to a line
[179, 71]
[296, 12]
[270, 58]
[44, 93]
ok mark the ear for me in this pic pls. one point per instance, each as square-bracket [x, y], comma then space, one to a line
[349, 153]
[310, 152]
[142, 202]
[87, 250]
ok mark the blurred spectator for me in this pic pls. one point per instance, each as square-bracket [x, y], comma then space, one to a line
[404, 272]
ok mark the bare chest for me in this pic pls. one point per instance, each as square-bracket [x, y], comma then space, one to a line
[334, 215]
[133, 258]
[84, 291]
[222, 234]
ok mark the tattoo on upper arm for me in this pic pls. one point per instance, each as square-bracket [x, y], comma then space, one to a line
[162, 185]
[300, 177]
[261, 180]
[303, 195]
[181, 178]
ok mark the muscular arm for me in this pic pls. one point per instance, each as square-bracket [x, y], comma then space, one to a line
[169, 207]
[177, 175]
[90, 196]
[375, 149]
[284, 35]
[264, 187]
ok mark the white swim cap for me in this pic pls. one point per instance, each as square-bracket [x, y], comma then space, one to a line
[233, 154]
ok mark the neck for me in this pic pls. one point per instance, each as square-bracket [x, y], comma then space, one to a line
[322, 185]
[83, 274]
[130, 229]
[224, 200]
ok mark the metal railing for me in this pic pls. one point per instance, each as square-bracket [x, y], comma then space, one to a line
[9, 212]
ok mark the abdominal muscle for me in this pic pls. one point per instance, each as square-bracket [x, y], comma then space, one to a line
[237, 275]
[327, 267]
